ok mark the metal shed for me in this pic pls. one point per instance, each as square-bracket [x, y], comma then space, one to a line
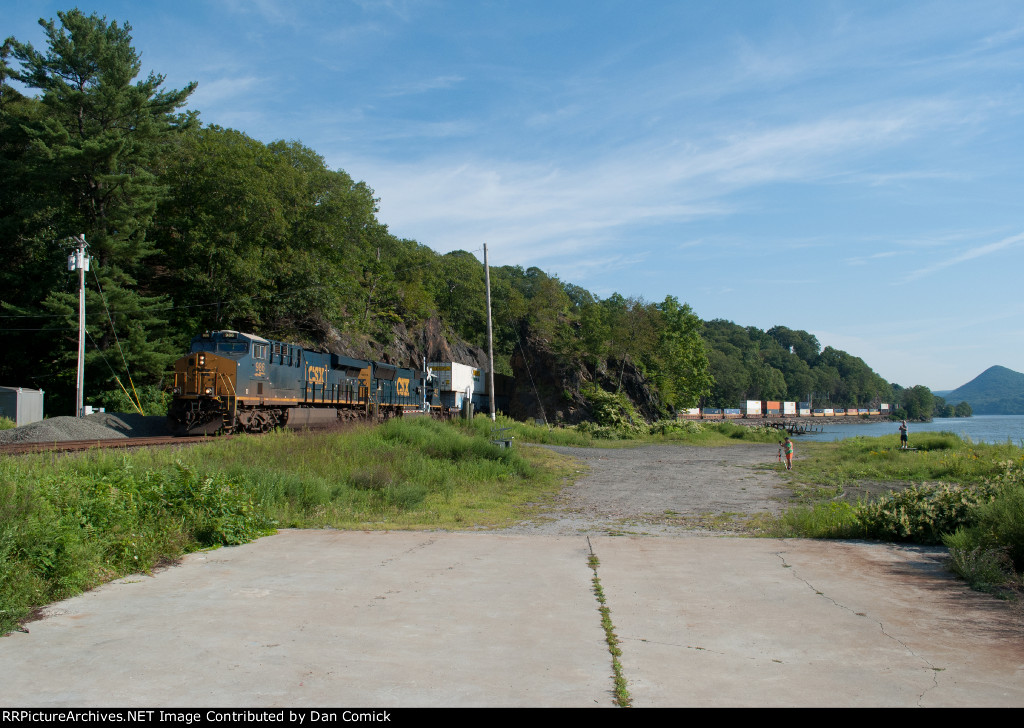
[24, 406]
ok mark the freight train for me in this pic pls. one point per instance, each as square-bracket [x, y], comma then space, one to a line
[237, 382]
[770, 409]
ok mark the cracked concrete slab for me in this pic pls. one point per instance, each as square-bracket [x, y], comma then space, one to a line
[764, 622]
[328, 618]
[335, 618]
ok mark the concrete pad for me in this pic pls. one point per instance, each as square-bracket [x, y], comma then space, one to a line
[757, 622]
[328, 618]
[344, 619]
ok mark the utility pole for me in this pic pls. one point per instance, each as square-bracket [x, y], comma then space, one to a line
[79, 260]
[490, 336]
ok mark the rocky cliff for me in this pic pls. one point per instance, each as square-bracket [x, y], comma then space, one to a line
[549, 386]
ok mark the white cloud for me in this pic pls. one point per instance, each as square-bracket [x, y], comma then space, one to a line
[546, 210]
[212, 93]
[425, 85]
[971, 254]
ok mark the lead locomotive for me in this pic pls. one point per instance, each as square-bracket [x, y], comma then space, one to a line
[235, 382]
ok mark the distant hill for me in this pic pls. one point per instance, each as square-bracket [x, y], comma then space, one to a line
[996, 391]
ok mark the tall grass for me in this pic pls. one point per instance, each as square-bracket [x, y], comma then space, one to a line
[939, 456]
[70, 522]
[624, 433]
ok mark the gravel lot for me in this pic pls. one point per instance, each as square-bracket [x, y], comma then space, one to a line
[665, 489]
[100, 426]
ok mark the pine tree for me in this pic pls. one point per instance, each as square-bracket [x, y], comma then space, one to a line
[90, 163]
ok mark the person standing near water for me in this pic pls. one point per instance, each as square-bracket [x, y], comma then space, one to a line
[903, 435]
[787, 446]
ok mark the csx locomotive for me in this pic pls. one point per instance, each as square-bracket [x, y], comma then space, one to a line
[235, 382]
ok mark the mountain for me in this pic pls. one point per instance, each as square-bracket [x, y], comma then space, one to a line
[996, 391]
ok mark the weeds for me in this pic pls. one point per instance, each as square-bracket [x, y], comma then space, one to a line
[622, 697]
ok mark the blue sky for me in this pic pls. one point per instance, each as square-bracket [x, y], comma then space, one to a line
[852, 169]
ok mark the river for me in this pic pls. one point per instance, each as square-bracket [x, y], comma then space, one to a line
[980, 428]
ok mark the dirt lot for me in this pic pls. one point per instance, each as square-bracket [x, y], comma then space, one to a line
[666, 489]
[670, 489]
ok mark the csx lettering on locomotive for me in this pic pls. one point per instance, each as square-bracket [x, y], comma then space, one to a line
[317, 375]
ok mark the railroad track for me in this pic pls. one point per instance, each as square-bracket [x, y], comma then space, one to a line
[22, 448]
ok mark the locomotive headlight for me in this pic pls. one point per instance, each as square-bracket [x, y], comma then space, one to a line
[208, 390]
[202, 360]
[176, 390]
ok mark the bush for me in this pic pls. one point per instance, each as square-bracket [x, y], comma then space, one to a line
[983, 568]
[153, 400]
[676, 427]
[923, 513]
[6, 423]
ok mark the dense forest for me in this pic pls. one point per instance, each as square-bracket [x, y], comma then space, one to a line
[194, 227]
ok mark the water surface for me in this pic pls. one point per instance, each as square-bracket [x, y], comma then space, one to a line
[980, 428]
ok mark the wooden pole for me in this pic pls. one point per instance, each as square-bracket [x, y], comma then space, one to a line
[490, 336]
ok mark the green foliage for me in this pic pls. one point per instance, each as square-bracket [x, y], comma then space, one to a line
[940, 456]
[154, 400]
[6, 423]
[917, 401]
[87, 161]
[997, 534]
[505, 428]
[984, 568]
[747, 363]
[69, 528]
[922, 513]
[833, 519]
[612, 409]
[681, 363]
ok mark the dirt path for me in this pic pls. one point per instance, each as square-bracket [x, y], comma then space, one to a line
[666, 489]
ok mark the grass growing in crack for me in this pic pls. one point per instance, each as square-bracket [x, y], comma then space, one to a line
[622, 697]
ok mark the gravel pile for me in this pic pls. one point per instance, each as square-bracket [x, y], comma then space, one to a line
[100, 426]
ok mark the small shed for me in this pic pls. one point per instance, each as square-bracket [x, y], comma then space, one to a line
[24, 406]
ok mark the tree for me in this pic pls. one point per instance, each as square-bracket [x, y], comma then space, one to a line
[91, 163]
[918, 402]
[683, 377]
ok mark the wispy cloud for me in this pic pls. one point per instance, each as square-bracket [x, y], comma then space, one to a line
[424, 86]
[212, 93]
[547, 211]
[977, 252]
